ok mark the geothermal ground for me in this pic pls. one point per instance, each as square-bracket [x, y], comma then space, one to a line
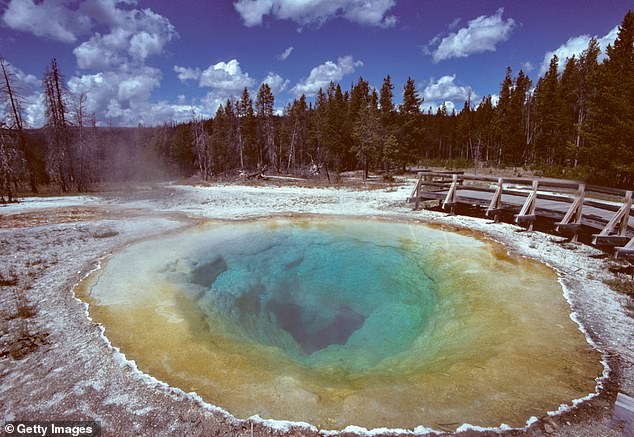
[56, 364]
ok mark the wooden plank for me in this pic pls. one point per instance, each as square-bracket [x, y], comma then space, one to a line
[450, 200]
[528, 209]
[495, 211]
[525, 181]
[606, 190]
[619, 222]
[609, 240]
[568, 226]
[627, 207]
[445, 184]
[417, 186]
[496, 201]
[602, 205]
[525, 218]
[444, 173]
[575, 212]
[624, 413]
[627, 251]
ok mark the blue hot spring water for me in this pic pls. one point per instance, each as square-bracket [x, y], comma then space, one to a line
[322, 298]
[339, 321]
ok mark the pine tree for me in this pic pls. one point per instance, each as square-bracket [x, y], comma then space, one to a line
[410, 132]
[549, 142]
[411, 99]
[503, 116]
[265, 129]
[386, 96]
[610, 127]
[568, 108]
[587, 66]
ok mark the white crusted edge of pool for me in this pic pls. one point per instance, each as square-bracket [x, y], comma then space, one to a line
[382, 204]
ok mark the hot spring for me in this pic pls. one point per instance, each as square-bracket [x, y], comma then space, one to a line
[342, 322]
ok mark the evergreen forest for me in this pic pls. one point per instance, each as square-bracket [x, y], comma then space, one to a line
[575, 121]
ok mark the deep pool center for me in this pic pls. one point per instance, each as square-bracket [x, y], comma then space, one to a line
[342, 322]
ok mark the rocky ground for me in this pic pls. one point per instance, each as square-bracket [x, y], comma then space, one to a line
[56, 364]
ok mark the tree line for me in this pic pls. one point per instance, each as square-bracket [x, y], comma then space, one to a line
[576, 121]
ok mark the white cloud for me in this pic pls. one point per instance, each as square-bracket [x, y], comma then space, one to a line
[122, 96]
[285, 54]
[120, 85]
[48, 18]
[482, 34]
[226, 76]
[276, 82]
[185, 73]
[322, 75]
[305, 12]
[446, 91]
[575, 46]
[134, 36]
[528, 66]
[226, 81]
[101, 51]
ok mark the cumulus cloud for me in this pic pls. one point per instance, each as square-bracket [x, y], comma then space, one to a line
[446, 91]
[134, 36]
[123, 98]
[185, 73]
[117, 94]
[322, 75]
[285, 54]
[305, 12]
[120, 85]
[226, 76]
[48, 18]
[226, 80]
[575, 46]
[481, 34]
[276, 82]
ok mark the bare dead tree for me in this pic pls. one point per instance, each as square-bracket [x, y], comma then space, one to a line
[203, 148]
[84, 144]
[8, 91]
[12, 166]
[60, 163]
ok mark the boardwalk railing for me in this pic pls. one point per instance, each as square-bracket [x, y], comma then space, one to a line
[572, 204]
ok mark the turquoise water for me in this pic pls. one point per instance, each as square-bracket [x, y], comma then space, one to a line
[341, 322]
[296, 289]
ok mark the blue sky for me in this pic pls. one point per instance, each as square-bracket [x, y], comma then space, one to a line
[154, 61]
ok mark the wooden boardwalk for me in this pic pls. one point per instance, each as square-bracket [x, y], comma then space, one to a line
[572, 204]
[623, 414]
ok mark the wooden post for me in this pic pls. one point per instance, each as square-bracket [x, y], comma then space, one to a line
[450, 200]
[527, 213]
[627, 251]
[620, 219]
[416, 191]
[627, 206]
[496, 202]
[574, 212]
